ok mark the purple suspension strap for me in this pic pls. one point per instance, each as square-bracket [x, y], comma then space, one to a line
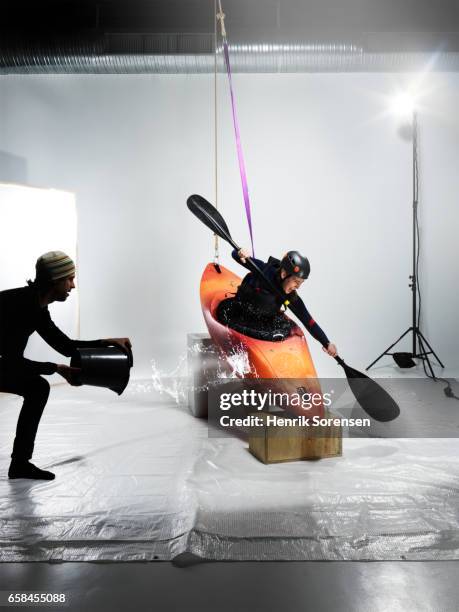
[240, 154]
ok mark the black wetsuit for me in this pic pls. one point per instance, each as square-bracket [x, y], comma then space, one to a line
[20, 316]
[256, 310]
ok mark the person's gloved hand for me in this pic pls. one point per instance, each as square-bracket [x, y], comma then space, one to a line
[70, 374]
[331, 350]
[243, 254]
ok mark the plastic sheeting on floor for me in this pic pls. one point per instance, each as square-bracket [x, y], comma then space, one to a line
[137, 478]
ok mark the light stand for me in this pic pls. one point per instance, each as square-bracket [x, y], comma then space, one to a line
[419, 343]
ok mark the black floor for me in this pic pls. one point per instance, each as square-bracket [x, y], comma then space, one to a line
[242, 586]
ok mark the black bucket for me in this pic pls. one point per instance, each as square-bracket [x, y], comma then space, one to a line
[103, 367]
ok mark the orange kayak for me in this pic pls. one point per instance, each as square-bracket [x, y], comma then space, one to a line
[285, 359]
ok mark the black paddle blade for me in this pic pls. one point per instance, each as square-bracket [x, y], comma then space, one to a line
[375, 400]
[210, 216]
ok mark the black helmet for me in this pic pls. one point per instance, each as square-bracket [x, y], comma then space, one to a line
[295, 264]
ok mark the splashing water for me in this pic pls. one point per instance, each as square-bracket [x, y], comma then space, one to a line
[177, 383]
[234, 365]
[238, 361]
[173, 383]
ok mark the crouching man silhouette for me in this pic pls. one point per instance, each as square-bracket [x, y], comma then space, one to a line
[23, 311]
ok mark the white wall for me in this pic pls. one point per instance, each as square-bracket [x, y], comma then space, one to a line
[328, 175]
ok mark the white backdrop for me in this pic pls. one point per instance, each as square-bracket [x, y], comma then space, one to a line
[329, 174]
[34, 221]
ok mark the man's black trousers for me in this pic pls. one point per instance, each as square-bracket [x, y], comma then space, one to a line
[35, 391]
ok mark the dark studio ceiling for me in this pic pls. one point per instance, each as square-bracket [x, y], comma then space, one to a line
[178, 35]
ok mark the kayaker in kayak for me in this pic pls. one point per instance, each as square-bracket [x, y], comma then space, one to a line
[258, 312]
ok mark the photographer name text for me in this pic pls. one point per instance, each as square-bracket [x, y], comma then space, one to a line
[254, 420]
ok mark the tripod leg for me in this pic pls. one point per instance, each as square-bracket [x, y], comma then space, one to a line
[388, 349]
[425, 356]
[430, 348]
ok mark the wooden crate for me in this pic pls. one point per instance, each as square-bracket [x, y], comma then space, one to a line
[275, 443]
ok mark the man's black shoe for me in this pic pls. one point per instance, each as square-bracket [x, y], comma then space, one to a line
[25, 469]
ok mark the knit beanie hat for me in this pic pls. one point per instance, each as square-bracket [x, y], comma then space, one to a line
[54, 266]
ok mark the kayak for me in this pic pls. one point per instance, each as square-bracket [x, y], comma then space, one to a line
[286, 359]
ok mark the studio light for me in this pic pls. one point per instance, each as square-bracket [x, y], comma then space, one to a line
[404, 104]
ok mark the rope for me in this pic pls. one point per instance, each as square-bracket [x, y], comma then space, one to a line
[221, 18]
[216, 240]
[240, 154]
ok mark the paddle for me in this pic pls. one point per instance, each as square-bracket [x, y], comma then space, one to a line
[376, 402]
[210, 216]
